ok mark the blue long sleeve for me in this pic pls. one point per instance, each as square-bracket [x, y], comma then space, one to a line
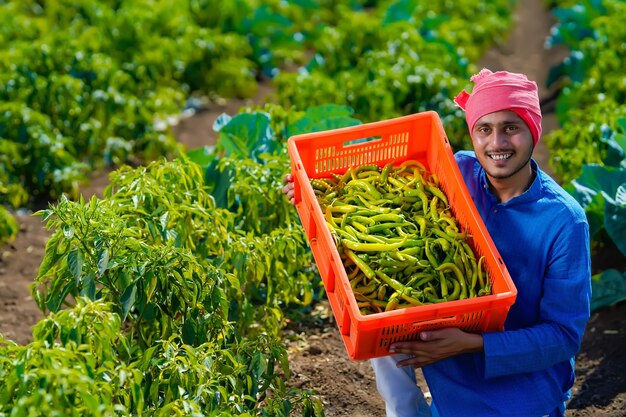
[563, 314]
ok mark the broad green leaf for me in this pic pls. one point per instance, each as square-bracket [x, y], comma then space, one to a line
[234, 146]
[247, 135]
[615, 152]
[608, 288]
[202, 156]
[221, 121]
[595, 179]
[219, 182]
[323, 117]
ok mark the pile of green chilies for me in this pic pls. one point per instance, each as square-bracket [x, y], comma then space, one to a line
[397, 237]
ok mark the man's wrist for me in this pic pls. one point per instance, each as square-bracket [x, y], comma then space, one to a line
[475, 343]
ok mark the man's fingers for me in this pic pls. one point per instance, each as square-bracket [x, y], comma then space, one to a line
[411, 348]
[289, 192]
[415, 362]
[288, 178]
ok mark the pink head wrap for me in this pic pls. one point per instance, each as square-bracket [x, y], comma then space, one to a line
[501, 90]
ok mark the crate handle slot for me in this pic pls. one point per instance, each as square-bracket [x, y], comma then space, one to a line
[361, 140]
[435, 322]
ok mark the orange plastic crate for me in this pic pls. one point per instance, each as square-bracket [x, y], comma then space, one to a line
[419, 137]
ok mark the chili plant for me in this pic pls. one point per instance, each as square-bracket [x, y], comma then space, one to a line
[74, 366]
[136, 250]
[81, 362]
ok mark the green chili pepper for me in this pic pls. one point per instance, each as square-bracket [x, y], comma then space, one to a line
[479, 268]
[438, 193]
[385, 172]
[367, 271]
[443, 284]
[373, 247]
[459, 276]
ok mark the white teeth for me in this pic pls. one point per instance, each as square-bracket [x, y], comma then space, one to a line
[500, 156]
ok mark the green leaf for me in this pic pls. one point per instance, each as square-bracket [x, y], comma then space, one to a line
[621, 123]
[219, 181]
[615, 218]
[75, 262]
[189, 333]
[146, 358]
[326, 111]
[247, 135]
[54, 303]
[221, 121]
[324, 117]
[164, 220]
[608, 288]
[234, 146]
[89, 286]
[128, 300]
[615, 152]
[202, 156]
[151, 281]
[266, 23]
[400, 11]
[45, 214]
[68, 231]
[335, 123]
[595, 179]
[103, 261]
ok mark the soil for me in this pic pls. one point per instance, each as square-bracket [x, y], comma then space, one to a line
[318, 357]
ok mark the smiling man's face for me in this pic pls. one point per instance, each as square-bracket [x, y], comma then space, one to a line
[503, 145]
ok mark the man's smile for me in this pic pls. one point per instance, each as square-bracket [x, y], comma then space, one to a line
[499, 156]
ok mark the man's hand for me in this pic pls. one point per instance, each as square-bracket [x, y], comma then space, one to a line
[435, 345]
[288, 188]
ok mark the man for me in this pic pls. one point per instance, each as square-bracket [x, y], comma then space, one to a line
[542, 235]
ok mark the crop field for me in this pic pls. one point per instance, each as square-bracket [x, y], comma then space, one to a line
[150, 264]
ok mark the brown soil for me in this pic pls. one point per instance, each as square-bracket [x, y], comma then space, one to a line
[317, 355]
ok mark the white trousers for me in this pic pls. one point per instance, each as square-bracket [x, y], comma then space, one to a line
[398, 388]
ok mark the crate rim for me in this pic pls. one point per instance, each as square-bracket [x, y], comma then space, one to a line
[364, 126]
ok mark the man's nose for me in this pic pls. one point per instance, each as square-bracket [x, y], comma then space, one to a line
[498, 138]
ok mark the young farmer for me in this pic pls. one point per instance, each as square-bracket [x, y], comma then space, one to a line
[542, 234]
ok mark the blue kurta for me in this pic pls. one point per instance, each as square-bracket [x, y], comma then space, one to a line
[528, 369]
